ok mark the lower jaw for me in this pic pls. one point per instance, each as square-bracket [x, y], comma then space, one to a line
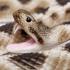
[23, 47]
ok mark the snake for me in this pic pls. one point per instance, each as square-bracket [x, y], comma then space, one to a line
[36, 42]
[38, 36]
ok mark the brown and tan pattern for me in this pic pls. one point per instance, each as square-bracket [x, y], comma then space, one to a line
[64, 35]
[49, 26]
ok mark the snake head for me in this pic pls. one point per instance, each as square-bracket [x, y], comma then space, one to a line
[28, 24]
[28, 27]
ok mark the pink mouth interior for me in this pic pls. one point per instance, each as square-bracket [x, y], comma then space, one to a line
[28, 44]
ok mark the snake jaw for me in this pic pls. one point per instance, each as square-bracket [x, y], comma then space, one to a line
[28, 24]
[23, 43]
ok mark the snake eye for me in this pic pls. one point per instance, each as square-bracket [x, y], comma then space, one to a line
[28, 19]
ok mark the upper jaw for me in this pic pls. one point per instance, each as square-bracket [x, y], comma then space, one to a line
[31, 33]
[21, 46]
[19, 34]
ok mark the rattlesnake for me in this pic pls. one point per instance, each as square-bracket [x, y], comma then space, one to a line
[53, 17]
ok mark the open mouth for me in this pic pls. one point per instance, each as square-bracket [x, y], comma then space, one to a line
[23, 43]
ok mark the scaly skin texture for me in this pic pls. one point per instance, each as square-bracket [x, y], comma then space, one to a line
[58, 11]
[44, 36]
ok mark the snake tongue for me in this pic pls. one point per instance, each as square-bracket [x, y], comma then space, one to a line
[23, 47]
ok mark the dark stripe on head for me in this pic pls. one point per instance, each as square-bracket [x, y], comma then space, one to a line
[40, 40]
